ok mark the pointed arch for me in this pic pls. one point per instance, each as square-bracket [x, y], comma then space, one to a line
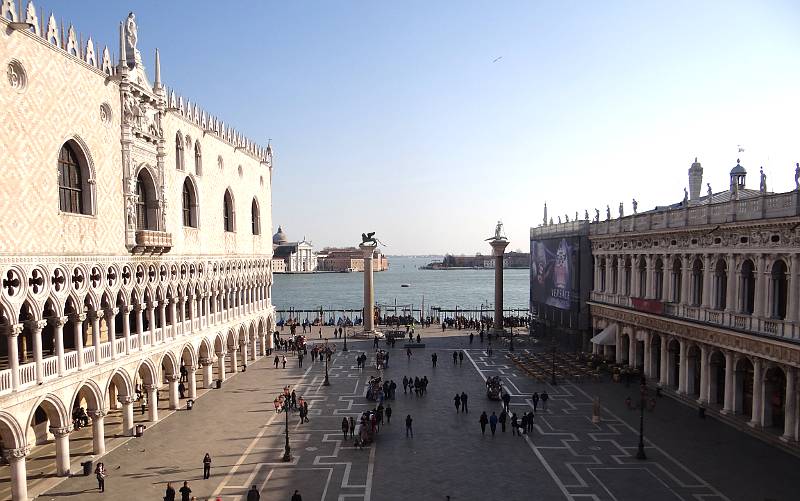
[229, 212]
[147, 201]
[255, 217]
[75, 178]
[189, 203]
[179, 151]
[198, 159]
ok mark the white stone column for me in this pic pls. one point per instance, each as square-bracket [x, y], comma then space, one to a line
[650, 261]
[173, 311]
[790, 407]
[174, 400]
[162, 315]
[61, 439]
[127, 415]
[126, 328]
[221, 364]
[12, 334]
[369, 289]
[667, 282]
[686, 281]
[208, 373]
[110, 314]
[648, 362]
[19, 476]
[683, 374]
[632, 345]
[597, 259]
[618, 346]
[58, 338]
[730, 389]
[705, 296]
[757, 420]
[137, 311]
[664, 363]
[36, 327]
[245, 352]
[761, 288]
[151, 321]
[234, 360]
[94, 317]
[98, 431]
[705, 382]
[77, 332]
[192, 371]
[152, 400]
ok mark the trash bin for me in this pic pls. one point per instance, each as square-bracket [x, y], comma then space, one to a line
[701, 412]
[189, 404]
[219, 384]
[140, 430]
[87, 468]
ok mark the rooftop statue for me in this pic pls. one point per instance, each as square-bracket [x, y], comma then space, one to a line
[635, 206]
[597, 215]
[586, 215]
[369, 239]
[763, 185]
[797, 176]
[498, 232]
[621, 210]
[710, 193]
[608, 212]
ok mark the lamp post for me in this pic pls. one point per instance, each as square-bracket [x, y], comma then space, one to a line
[643, 391]
[344, 348]
[553, 370]
[287, 451]
[327, 352]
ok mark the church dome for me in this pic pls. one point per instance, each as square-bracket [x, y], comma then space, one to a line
[279, 237]
[738, 169]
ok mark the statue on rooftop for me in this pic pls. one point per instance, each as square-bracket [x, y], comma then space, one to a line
[597, 215]
[566, 217]
[710, 193]
[608, 212]
[685, 196]
[635, 206]
[545, 214]
[797, 176]
[131, 39]
[586, 215]
[621, 210]
[559, 219]
[763, 185]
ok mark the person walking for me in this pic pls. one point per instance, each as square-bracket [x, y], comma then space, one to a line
[524, 423]
[514, 424]
[181, 390]
[100, 473]
[457, 401]
[464, 403]
[471, 337]
[305, 410]
[408, 353]
[283, 361]
[433, 359]
[297, 496]
[405, 384]
[409, 429]
[493, 423]
[535, 400]
[300, 359]
[388, 414]
[277, 361]
[345, 427]
[253, 494]
[185, 491]
[460, 358]
[530, 422]
[483, 420]
[503, 418]
[169, 494]
[506, 401]
[545, 397]
[352, 427]
[455, 358]
[206, 466]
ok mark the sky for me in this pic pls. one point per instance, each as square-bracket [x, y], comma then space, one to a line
[427, 122]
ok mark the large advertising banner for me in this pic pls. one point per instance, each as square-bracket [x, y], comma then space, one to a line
[554, 272]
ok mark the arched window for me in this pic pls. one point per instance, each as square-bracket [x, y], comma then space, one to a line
[256, 218]
[146, 202]
[614, 275]
[747, 297]
[70, 181]
[658, 280]
[721, 285]
[228, 213]
[642, 277]
[697, 282]
[627, 289]
[603, 275]
[677, 280]
[198, 159]
[189, 204]
[178, 151]
[778, 296]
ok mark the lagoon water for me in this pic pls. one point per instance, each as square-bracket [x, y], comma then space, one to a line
[464, 288]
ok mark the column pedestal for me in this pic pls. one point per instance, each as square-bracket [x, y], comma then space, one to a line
[499, 245]
[369, 294]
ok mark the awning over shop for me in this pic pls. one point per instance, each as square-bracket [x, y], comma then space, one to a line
[606, 337]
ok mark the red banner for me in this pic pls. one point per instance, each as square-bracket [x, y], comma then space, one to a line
[648, 305]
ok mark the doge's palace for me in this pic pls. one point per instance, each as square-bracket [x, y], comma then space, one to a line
[137, 247]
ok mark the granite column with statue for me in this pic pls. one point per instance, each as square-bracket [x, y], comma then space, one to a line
[499, 244]
[369, 290]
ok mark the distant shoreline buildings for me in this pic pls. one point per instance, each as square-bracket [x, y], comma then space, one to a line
[513, 260]
[348, 259]
[299, 257]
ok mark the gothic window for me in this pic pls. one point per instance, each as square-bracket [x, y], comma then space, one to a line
[747, 297]
[697, 282]
[189, 204]
[70, 181]
[721, 285]
[256, 218]
[228, 213]
[779, 289]
[178, 151]
[198, 159]
[146, 202]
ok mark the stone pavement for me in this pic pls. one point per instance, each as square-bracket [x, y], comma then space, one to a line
[567, 457]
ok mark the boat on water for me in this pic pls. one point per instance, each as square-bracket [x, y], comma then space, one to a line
[405, 285]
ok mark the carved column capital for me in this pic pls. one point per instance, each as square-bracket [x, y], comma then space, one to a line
[12, 330]
[78, 317]
[94, 315]
[125, 399]
[97, 413]
[173, 378]
[126, 309]
[110, 313]
[16, 454]
[149, 388]
[57, 321]
[36, 325]
[60, 431]
[205, 362]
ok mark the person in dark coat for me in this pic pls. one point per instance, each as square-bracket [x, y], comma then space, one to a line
[460, 358]
[388, 414]
[506, 401]
[185, 491]
[503, 418]
[545, 397]
[457, 400]
[455, 358]
[483, 420]
[514, 424]
[433, 359]
[297, 496]
[464, 403]
[206, 466]
[409, 429]
[493, 423]
[253, 495]
[405, 384]
[535, 400]
[169, 494]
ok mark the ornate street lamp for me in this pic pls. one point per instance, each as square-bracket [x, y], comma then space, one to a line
[287, 451]
[643, 394]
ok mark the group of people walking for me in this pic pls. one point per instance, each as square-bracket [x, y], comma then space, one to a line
[417, 385]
